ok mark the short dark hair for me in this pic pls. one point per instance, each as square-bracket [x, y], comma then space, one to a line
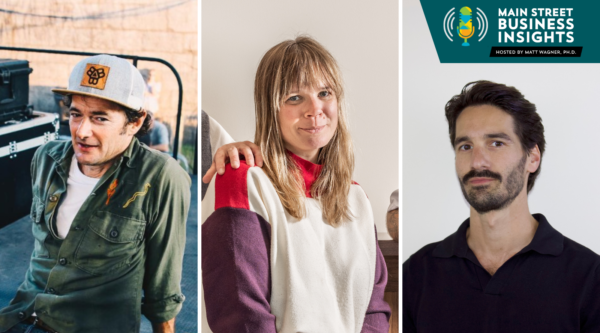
[131, 114]
[528, 123]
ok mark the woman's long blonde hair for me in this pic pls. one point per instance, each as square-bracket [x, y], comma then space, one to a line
[298, 63]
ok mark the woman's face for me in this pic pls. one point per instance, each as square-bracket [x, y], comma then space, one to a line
[308, 120]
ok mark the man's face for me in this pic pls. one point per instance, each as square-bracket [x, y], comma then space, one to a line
[99, 130]
[491, 166]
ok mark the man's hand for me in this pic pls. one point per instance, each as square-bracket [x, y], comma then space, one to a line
[166, 327]
[230, 152]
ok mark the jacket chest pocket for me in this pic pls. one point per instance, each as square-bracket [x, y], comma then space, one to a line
[38, 228]
[109, 243]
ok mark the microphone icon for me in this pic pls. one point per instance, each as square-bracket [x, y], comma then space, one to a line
[465, 25]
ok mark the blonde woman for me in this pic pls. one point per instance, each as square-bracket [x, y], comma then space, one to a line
[291, 246]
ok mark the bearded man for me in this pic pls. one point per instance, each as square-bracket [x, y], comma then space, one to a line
[504, 270]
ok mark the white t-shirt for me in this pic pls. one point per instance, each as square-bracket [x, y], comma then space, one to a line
[79, 188]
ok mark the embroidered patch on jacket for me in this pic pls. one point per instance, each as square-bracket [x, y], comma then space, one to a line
[95, 76]
[111, 190]
[137, 194]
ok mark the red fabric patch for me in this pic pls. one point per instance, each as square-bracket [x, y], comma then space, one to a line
[231, 189]
[310, 172]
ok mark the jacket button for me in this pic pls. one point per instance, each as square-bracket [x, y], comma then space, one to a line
[21, 315]
[114, 234]
[77, 228]
[62, 261]
[53, 198]
[51, 291]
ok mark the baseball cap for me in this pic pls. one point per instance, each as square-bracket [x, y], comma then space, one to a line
[107, 77]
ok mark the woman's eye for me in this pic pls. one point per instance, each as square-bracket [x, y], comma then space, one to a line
[324, 93]
[294, 99]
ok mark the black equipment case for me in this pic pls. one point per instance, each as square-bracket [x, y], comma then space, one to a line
[18, 142]
[14, 89]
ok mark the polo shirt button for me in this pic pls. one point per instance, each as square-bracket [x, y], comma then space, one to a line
[53, 198]
[51, 291]
[114, 234]
[62, 261]
[21, 315]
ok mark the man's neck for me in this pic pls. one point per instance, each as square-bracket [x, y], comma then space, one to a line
[498, 235]
[95, 171]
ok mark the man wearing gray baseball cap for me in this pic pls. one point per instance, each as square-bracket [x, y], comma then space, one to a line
[108, 216]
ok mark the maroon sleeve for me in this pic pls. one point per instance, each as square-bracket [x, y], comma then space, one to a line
[236, 272]
[378, 313]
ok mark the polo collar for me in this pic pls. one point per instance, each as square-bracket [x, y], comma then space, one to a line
[310, 172]
[546, 240]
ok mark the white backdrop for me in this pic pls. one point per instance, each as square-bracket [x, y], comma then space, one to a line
[363, 38]
[566, 191]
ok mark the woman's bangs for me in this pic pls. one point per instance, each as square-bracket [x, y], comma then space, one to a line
[306, 72]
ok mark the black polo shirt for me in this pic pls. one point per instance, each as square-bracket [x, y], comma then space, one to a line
[552, 285]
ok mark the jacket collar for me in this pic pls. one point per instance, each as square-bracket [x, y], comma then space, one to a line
[545, 241]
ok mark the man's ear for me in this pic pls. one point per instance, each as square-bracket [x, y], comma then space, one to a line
[534, 159]
[134, 126]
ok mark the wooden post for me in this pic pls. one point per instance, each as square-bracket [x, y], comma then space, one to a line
[389, 249]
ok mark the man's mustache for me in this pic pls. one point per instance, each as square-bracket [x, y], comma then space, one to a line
[481, 173]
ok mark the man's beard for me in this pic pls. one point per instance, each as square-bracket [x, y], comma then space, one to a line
[483, 201]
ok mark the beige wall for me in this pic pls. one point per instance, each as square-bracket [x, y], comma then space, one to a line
[167, 33]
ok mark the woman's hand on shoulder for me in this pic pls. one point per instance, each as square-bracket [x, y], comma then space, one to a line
[230, 153]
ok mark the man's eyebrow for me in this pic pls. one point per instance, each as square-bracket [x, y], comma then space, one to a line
[100, 113]
[95, 113]
[460, 139]
[498, 136]
[487, 136]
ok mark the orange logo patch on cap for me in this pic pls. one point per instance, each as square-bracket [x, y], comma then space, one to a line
[95, 76]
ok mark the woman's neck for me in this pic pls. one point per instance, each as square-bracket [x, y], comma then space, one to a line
[309, 155]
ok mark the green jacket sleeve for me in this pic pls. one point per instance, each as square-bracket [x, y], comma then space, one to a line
[165, 243]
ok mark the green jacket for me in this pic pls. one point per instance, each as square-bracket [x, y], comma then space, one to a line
[123, 254]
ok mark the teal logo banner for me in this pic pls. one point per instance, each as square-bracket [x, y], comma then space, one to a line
[467, 31]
